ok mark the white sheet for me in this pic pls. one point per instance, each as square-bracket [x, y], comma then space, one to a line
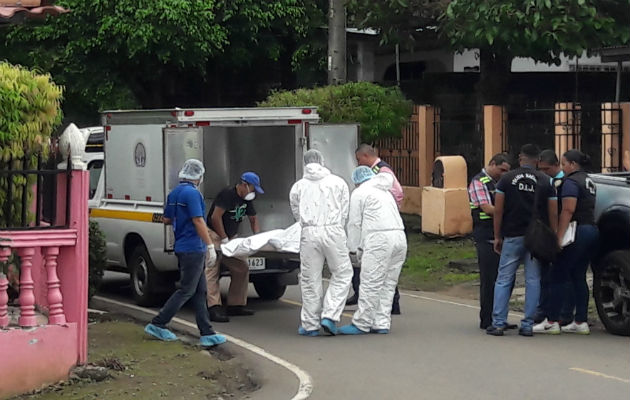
[281, 240]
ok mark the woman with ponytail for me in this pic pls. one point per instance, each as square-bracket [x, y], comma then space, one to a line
[577, 197]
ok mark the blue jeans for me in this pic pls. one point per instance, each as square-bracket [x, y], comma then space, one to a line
[569, 273]
[512, 254]
[193, 288]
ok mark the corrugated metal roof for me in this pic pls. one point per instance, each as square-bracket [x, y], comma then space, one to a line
[17, 11]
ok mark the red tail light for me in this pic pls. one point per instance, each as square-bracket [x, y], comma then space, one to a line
[148, 198]
[127, 197]
[306, 111]
[189, 113]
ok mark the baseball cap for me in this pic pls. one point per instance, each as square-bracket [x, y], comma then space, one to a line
[253, 179]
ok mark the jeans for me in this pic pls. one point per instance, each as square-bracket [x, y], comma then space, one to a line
[570, 273]
[193, 288]
[512, 254]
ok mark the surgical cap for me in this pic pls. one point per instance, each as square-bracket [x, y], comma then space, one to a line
[192, 170]
[313, 156]
[362, 174]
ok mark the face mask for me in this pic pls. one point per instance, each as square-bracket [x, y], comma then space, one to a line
[250, 196]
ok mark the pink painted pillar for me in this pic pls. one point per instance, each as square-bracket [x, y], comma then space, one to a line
[56, 315]
[5, 253]
[27, 296]
[73, 261]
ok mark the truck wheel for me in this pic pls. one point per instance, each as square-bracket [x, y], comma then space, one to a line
[143, 277]
[611, 290]
[269, 288]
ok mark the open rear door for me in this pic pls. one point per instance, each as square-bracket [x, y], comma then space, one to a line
[337, 142]
[180, 144]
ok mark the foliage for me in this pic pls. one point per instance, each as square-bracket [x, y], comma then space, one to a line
[540, 29]
[97, 258]
[149, 53]
[382, 112]
[398, 21]
[29, 113]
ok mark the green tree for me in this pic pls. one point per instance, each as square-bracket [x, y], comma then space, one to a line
[130, 53]
[539, 29]
[382, 112]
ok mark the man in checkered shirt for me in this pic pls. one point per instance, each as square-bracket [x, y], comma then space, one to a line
[481, 194]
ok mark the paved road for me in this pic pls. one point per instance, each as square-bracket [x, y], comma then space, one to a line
[435, 351]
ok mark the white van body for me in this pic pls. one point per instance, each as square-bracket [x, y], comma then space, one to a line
[144, 150]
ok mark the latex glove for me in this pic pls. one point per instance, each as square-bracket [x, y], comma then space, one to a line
[354, 260]
[224, 240]
[211, 256]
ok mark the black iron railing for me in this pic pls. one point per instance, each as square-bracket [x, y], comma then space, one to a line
[36, 183]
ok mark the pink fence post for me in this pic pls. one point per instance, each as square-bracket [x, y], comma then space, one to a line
[56, 315]
[5, 252]
[27, 296]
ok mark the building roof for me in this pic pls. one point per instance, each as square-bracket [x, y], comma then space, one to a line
[15, 12]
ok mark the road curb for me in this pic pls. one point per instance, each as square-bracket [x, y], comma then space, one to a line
[305, 388]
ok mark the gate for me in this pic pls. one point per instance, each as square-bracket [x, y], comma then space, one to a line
[402, 153]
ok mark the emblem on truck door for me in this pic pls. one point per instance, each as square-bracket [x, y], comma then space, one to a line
[140, 155]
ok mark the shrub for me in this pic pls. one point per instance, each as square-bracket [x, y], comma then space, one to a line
[96, 258]
[29, 113]
[382, 112]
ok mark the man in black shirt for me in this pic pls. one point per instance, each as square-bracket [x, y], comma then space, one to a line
[521, 194]
[228, 210]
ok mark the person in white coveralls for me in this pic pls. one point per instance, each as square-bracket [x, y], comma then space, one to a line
[320, 202]
[376, 237]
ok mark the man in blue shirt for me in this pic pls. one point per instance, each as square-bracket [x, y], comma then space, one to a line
[185, 210]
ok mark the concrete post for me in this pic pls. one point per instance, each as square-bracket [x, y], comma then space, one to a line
[494, 131]
[568, 126]
[428, 120]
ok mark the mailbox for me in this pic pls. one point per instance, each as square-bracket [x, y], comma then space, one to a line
[445, 205]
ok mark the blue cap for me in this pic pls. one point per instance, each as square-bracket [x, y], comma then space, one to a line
[253, 179]
[362, 174]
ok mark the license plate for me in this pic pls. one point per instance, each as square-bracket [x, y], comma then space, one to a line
[256, 263]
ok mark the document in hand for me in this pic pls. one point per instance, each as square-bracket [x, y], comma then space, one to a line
[569, 235]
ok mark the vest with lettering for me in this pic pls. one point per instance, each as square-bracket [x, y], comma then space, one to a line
[481, 220]
[585, 207]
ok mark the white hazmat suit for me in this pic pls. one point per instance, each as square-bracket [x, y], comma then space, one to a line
[320, 202]
[375, 227]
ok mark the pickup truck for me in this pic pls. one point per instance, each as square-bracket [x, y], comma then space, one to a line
[611, 269]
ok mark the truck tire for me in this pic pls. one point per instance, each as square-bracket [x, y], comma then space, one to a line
[611, 290]
[269, 288]
[144, 279]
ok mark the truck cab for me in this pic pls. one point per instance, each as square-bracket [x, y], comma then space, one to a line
[143, 152]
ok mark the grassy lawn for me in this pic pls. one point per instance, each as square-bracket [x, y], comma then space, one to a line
[427, 262]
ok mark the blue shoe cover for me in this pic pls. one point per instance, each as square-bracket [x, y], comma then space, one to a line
[212, 340]
[350, 330]
[380, 331]
[160, 333]
[304, 332]
[330, 327]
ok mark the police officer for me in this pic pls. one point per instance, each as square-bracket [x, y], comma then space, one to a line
[481, 194]
[367, 155]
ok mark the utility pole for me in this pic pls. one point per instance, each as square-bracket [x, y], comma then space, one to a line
[337, 42]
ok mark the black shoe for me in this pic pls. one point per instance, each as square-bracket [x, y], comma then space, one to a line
[217, 314]
[495, 330]
[526, 332]
[352, 301]
[395, 309]
[510, 326]
[239, 311]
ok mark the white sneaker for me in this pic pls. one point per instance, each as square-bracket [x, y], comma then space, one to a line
[575, 327]
[552, 328]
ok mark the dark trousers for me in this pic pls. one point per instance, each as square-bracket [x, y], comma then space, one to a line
[356, 282]
[193, 287]
[488, 266]
[570, 270]
[546, 293]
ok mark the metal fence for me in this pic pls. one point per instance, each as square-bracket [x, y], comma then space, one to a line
[402, 153]
[459, 131]
[25, 183]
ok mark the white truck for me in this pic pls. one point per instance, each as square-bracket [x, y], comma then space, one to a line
[143, 152]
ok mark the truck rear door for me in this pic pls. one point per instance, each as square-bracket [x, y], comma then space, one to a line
[337, 142]
[180, 144]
